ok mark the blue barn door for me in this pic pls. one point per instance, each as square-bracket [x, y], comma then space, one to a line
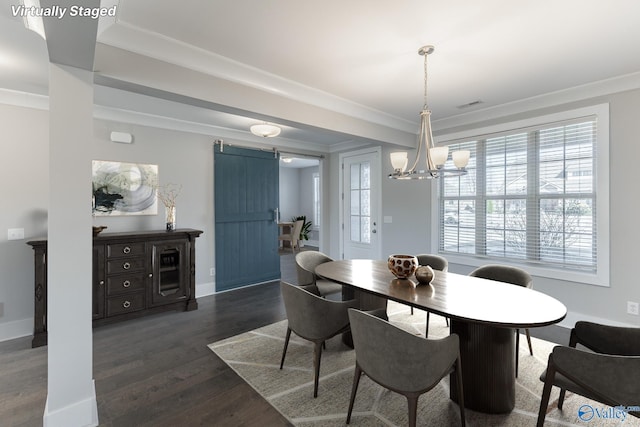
[246, 202]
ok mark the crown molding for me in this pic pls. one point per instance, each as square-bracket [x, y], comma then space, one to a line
[126, 36]
[24, 99]
[162, 122]
[577, 93]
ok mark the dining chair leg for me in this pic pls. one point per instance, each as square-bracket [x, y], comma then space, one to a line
[317, 354]
[412, 311]
[517, 350]
[286, 344]
[526, 331]
[426, 331]
[412, 402]
[563, 393]
[546, 392]
[354, 389]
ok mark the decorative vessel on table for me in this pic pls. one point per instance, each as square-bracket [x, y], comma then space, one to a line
[168, 194]
[402, 266]
[424, 274]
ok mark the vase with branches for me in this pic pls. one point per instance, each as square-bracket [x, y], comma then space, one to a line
[168, 194]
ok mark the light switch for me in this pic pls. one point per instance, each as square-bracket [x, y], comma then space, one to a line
[15, 234]
[388, 219]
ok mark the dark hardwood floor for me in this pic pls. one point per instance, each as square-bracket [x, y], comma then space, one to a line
[157, 371]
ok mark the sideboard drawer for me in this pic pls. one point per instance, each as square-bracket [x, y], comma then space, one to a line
[125, 265]
[125, 304]
[125, 283]
[125, 249]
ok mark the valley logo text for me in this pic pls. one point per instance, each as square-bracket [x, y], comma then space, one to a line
[60, 12]
[588, 412]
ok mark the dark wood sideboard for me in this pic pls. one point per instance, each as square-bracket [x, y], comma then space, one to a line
[134, 274]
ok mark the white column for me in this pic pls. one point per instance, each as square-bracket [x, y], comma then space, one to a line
[71, 399]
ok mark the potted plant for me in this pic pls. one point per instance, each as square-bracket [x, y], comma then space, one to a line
[305, 230]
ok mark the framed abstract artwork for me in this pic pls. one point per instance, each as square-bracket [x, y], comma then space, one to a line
[124, 188]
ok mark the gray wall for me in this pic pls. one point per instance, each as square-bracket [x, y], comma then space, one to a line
[595, 302]
[24, 183]
[289, 190]
[187, 159]
[409, 204]
[182, 158]
[296, 196]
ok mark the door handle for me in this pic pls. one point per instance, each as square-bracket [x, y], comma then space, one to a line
[276, 214]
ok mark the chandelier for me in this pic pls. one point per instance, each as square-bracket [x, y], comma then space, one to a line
[434, 157]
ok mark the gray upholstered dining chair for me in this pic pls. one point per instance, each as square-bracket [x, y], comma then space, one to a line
[402, 362]
[609, 373]
[436, 262]
[306, 263]
[514, 276]
[313, 318]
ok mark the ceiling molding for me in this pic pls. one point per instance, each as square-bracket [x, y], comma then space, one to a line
[578, 93]
[126, 36]
[170, 123]
[24, 99]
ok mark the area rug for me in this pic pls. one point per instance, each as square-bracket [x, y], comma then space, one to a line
[255, 356]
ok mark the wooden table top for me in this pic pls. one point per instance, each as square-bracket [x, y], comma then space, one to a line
[459, 297]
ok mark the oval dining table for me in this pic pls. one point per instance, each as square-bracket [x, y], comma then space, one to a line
[484, 313]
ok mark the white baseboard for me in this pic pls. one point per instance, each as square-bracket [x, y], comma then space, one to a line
[16, 329]
[204, 289]
[573, 317]
[81, 414]
[310, 242]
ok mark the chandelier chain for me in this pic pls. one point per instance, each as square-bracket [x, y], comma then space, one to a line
[426, 106]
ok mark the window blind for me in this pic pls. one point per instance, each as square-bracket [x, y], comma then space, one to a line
[529, 195]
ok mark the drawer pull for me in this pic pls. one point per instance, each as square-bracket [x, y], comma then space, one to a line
[126, 249]
[126, 304]
[126, 284]
[126, 265]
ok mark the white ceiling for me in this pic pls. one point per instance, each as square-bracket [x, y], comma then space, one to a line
[355, 59]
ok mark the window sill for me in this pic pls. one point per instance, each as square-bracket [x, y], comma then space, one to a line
[538, 270]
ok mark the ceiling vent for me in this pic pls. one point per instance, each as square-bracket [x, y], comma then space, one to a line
[470, 104]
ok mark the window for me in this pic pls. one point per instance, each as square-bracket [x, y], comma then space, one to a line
[536, 194]
[360, 201]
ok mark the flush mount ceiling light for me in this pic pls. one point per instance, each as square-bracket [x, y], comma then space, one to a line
[265, 130]
[286, 159]
[434, 157]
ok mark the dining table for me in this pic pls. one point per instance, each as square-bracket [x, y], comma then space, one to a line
[485, 314]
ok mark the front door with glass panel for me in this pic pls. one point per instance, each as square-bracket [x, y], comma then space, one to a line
[361, 186]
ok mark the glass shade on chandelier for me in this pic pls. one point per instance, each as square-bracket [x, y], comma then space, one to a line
[431, 158]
